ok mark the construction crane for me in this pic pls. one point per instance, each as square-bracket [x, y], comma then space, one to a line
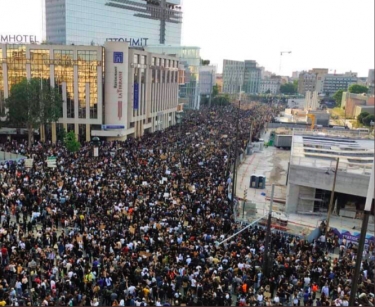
[281, 54]
[312, 117]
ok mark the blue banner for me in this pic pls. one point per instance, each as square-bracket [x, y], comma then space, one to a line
[136, 96]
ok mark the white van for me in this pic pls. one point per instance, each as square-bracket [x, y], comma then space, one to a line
[338, 128]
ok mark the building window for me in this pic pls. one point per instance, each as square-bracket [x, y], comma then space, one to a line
[143, 59]
[70, 127]
[135, 59]
[64, 73]
[16, 63]
[153, 61]
[82, 133]
[87, 83]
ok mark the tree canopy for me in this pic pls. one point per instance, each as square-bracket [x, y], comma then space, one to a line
[358, 89]
[71, 143]
[32, 103]
[221, 100]
[338, 97]
[368, 119]
[365, 118]
[287, 88]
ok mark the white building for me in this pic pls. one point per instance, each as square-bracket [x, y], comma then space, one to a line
[150, 91]
[189, 56]
[207, 79]
[312, 171]
[233, 76]
[269, 85]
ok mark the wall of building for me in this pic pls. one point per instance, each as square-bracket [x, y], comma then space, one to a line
[207, 79]
[76, 70]
[190, 58]
[306, 82]
[351, 105]
[333, 83]
[360, 109]
[315, 178]
[252, 77]
[233, 76]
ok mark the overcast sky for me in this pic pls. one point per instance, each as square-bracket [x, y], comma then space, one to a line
[333, 34]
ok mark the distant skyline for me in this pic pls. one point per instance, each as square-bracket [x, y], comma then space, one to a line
[320, 33]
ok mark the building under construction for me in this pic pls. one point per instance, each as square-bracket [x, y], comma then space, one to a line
[325, 162]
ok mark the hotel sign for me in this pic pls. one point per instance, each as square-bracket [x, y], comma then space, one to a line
[18, 39]
[133, 42]
[118, 57]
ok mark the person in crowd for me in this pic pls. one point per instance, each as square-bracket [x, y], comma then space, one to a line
[140, 224]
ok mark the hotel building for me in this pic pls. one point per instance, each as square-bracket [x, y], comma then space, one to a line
[112, 91]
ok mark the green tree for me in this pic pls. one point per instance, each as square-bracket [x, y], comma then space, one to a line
[295, 85]
[268, 91]
[205, 62]
[361, 116]
[338, 97]
[32, 103]
[215, 90]
[61, 134]
[221, 100]
[358, 89]
[368, 119]
[71, 143]
[287, 88]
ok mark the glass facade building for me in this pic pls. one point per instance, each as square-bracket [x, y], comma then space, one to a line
[92, 22]
[75, 70]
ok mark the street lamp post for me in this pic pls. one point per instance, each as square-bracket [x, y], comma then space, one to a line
[179, 122]
[266, 255]
[332, 198]
[235, 154]
[362, 239]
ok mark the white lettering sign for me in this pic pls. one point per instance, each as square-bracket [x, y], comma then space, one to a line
[133, 42]
[18, 39]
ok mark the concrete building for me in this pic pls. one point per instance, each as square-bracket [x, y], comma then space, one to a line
[141, 88]
[312, 171]
[207, 79]
[370, 77]
[360, 109]
[295, 75]
[233, 76]
[306, 82]
[270, 85]
[350, 101]
[138, 22]
[333, 83]
[320, 74]
[190, 58]
[252, 77]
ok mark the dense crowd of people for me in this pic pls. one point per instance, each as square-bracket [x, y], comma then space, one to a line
[141, 224]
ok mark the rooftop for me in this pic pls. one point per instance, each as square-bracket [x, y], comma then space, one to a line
[321, 149]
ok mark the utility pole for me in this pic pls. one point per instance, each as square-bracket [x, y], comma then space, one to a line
[266, 257]
[362, 238]
[244, 202]
[332, 197]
